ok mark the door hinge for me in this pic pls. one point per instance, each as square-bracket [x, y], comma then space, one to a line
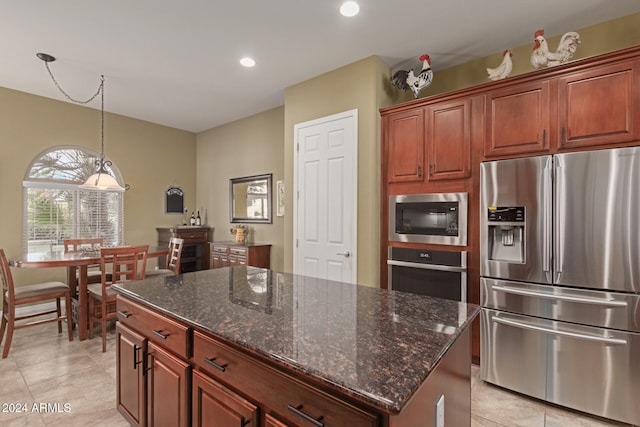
[296, 243]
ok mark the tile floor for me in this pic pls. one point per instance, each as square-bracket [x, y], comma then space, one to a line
[76, 383]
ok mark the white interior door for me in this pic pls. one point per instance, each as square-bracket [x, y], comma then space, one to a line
[326, 197]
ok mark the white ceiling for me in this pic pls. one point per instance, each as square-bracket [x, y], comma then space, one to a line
[176, 62]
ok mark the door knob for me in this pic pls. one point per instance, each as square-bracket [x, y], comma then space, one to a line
[346, 254]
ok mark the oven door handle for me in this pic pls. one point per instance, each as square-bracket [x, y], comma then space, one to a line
[427, 266]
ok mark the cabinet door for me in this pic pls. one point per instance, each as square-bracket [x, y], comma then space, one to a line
[518, 119]
[599, 106]
[405, 146]
[271, 421]
[130, 348]
[217, 406]
[448, 140]
[167, 389]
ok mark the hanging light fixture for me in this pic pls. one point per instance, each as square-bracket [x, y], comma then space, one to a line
[101, 180]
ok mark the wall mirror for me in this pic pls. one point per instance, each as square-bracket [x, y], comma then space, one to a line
[250, 199]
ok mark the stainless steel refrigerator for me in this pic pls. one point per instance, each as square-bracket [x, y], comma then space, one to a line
[560, 279]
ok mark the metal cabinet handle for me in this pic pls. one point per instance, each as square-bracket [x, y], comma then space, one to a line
[419, 170]
[298, 411]
[136, 362]
[212, 362]
[604, 340]
[346, 254]
[158, 332]
[594, 301]
[124, 314]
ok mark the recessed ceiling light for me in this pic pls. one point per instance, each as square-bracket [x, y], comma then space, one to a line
[349, 9]
[247, 62]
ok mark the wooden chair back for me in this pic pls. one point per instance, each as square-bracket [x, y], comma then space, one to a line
[125, 263]
[76, 245]
[8, 293]
[175, 254]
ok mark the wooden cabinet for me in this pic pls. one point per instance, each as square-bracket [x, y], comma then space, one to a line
[195, 252]
[229, 254]
[291, 400]
[600, 105]
[216, 406]
[153, 383]
[404, 133]
[448, 139]
[518, 119]
[131, 393]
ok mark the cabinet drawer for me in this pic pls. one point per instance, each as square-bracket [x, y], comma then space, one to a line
[193, 236]
[159, 329]
[219, 249]
[289, 398]
[238, 252]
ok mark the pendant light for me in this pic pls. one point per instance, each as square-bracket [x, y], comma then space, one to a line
[101, 180]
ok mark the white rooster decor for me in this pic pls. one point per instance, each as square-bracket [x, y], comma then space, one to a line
[504, 69]
[541, 57]
[407, 80]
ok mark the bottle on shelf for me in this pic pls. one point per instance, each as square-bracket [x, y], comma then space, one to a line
[198, 219]
[192, 221]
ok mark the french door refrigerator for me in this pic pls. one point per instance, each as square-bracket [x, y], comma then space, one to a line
[560, 279]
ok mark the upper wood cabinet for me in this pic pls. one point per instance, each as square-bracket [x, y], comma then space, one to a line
[599, 106]
[405, 145]
[448, 140]
[518, 119]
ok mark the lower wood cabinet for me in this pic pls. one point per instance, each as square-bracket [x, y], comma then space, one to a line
[216, 406]
[207, 382]
[153, 385]
[225, 254]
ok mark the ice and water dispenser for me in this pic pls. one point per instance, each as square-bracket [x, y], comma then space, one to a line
[506, 233]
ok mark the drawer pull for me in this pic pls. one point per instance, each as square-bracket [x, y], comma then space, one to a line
[298, 411]
[124, 314]
[212, 362]
[158, 332]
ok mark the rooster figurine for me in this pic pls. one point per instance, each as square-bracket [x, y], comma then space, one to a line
[504, 69]
[406, 80]
[541, 57]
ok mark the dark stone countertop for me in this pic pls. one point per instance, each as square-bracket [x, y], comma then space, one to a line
[374, 345]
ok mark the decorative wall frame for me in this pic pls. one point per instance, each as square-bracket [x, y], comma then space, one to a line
[280, 198]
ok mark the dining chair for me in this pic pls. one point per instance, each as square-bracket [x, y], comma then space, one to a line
[14, 296]
[124, 264]
[174, 257]
[92, 244]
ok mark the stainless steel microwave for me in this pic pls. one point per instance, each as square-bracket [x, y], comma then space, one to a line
[438, 218]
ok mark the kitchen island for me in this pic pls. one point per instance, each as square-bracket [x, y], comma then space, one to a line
[249, 346]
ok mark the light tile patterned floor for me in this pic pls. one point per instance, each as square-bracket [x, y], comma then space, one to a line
[76, 382]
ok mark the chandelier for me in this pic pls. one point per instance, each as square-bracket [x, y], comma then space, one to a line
[101, 180]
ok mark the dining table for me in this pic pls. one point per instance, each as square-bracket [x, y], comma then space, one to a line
[74, 262]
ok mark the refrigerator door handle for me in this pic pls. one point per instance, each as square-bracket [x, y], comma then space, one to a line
[614, 341]
[546, 221]
[568, 298]
[558, 222]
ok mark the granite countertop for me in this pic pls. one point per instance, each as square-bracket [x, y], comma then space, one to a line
[374, 345]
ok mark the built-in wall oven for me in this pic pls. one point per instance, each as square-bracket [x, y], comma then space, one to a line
[436, 218]
[436, 273]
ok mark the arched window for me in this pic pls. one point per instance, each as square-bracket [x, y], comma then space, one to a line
[55, 208]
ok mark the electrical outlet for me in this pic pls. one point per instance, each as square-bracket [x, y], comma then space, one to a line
[440, 411]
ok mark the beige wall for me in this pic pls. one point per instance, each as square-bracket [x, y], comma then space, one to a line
[251, 146]
[356, 86]
[597, 39]
[150, 158]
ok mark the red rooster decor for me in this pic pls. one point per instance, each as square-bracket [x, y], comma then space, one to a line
[407, 80]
